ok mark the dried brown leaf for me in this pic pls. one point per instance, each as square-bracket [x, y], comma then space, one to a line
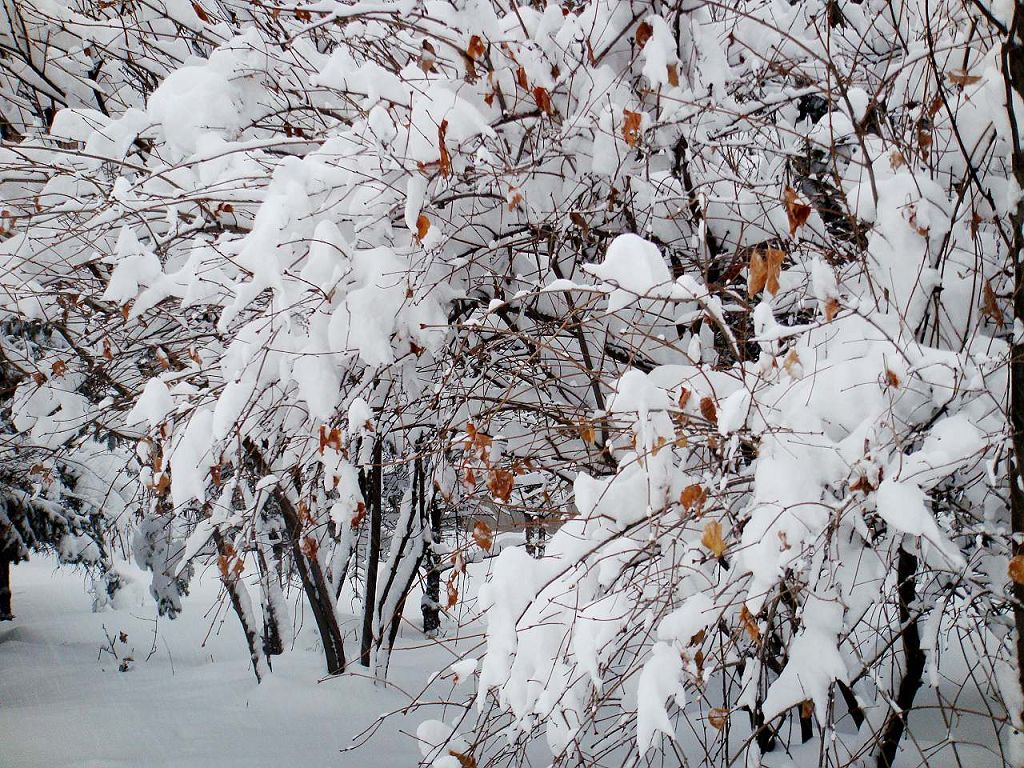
[708, 410]
[693, 497]
[483, 536]
[796, 212]
[631, 127]
[712, 539]
[644, 31]
[1016, 569]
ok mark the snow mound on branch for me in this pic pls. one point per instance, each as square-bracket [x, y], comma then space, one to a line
[903, 506]
[814, 662]
[632, 268]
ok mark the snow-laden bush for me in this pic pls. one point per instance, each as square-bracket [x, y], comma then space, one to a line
[722, 294]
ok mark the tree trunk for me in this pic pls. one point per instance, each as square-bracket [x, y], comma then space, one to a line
[317, 590]
[271, 598]
[314, 584]
[373, 551]
[896, 724]
[430, 603]
[1013, 69]
[5, 588]
[242, 605]
[405, 558]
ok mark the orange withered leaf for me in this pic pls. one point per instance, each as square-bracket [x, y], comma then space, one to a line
[309, 547]
[483, 536]
[712, 539]
[792, 365]
[476, 47]
[961, 78]
[521, 79]
[684, 397]
[830, 308]
[422, 227]
[673, 75]
[446, 160]
[749, 625]
[500, 483]
[543, 99]
[643, 33]
[765, 267]
[428, 55]
[718, 717]
[989, 306]
[796, 212]
[693, 497]
[708, 410]
[631, 127]
[1016, 569]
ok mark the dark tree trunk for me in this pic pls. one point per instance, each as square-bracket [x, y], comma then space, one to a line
[536, 535]
[241, 604]
[318, 592]
[273, 643]
[408, 549]
[1013, 68]
[373, 552]
[430, 603]
[5, 589]
[892, 733]
[314, 584]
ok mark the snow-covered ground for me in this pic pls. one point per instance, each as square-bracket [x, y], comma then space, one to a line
[190, 702]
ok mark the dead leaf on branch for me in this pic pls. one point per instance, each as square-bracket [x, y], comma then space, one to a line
[446, 160]
[693, 497]
[422, 227]
[830, 308]
[631, 127]
[644, 31]
[718, 718]
[428, 55]
[712, 538]
[543, 99]
[500, 483]
[309, 547]
[483, 536]
[792, 364]
[708, 410]
[749, 625]
[684, 397]
[796, 212]
[765, 268]
[961, 78]
[521, 80]
[476, 47]
[1016, 569]
[673, 75]
[989, 306]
